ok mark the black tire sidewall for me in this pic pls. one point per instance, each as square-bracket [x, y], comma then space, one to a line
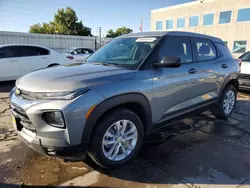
[95, 150]
[222, 113]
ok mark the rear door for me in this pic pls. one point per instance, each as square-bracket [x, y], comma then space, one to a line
[210, 68]
[33, 58]
[9, 63]
[176, 89]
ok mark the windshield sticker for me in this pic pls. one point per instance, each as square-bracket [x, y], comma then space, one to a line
[145, 39]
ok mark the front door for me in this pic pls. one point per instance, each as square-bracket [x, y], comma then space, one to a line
[176, 89]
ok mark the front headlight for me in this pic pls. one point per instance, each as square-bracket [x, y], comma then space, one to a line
[66, 95]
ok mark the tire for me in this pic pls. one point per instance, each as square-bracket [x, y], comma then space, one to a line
[97, 147]
[218, 110]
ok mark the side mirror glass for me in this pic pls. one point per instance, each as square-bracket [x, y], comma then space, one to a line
[169, 61]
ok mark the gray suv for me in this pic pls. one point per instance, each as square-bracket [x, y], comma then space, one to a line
[127, 89]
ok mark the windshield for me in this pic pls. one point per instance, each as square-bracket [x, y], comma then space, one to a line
[126, 52]
[68, 50]
[245, 57]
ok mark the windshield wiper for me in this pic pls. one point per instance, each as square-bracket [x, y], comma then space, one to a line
[107, 64]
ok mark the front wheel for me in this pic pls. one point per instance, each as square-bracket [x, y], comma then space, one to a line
[116, 139]
[226, 104]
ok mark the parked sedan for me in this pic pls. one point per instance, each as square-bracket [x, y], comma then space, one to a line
[244, 78]
[78, 54]
[18, 60]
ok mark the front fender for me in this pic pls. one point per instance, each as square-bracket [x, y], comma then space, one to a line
[115, 101]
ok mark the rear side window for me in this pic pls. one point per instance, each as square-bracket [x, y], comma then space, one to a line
[8, 52]
[205, 49]
[25, 51]
[178, 47]
[223, 49]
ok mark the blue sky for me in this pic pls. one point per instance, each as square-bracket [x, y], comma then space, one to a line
[18, 15]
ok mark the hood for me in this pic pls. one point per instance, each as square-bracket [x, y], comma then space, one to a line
[71, 77]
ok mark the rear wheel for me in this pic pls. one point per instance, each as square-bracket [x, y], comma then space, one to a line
[116, 139]
[226, 104]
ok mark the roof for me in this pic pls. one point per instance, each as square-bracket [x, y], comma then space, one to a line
[33, 45]
[182, 5]
[170, 33]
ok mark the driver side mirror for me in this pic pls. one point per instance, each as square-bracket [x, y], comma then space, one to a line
[169, 61]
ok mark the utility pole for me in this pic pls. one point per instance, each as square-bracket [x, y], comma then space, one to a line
[99, 31]
[141, 26]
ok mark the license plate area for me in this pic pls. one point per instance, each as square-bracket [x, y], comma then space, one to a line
[16, 123]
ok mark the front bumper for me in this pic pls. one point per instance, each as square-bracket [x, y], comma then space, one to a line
[46, 139]
[244, 82]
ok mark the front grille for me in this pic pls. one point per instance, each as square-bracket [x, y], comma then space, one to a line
[244, 76]
[22, 120]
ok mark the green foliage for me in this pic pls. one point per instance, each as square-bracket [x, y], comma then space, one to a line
[65, 23]
[118, 32]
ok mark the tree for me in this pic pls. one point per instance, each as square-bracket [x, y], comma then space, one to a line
[65, 23]
[118, 32]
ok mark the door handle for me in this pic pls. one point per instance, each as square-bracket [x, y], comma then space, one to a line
[192, 71]
[224, 66]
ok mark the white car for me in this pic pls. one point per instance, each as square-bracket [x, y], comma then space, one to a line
[77, 54]
[17, 60]
[244, 77]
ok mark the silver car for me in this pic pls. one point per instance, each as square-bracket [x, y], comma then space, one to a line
[127, 89]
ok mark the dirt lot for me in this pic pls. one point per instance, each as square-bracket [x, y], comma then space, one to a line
[208, 153]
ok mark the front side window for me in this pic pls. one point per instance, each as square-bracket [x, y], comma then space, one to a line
[8, 52]
[194, 21]
[159, 25]
[181, 23]
[240, 46]
[169, 24]
[126, 52]
[208, 19]
[87, 51]
[205, 49]
[226, 43]
[178, 47]
[243, 15]
[225, 17]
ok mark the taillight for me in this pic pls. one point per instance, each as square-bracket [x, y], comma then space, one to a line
[70, 57]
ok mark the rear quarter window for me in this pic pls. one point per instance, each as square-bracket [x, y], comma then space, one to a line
[223, 49]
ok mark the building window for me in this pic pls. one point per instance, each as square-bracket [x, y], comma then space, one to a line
[159, 25]
[181, 23]
[169, 24]
[243, 15]
[226, 43]
[225, 17]
[208, 19]
[194, 21]
[240, 46]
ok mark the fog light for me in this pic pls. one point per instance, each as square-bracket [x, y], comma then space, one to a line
[54, 118]
[50, 151]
